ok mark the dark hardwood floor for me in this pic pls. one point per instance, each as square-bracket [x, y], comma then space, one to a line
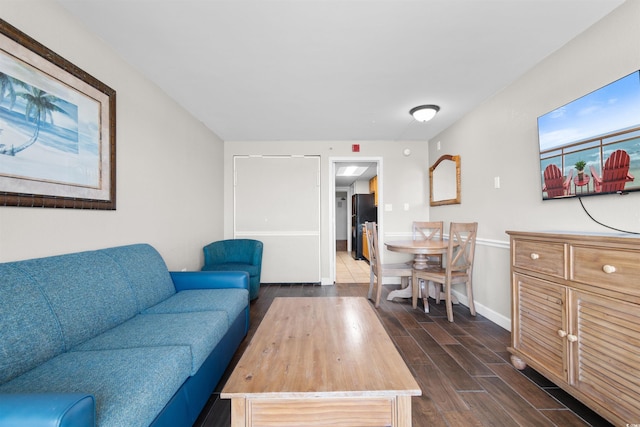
[462, 368]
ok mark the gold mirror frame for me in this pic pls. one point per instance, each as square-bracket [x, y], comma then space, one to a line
[445, 182]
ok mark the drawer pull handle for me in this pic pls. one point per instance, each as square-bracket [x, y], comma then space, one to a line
[562, 333]
[608, 269]
[534, 255]
[572, 338]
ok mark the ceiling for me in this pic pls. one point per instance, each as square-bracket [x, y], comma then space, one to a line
[310, 70]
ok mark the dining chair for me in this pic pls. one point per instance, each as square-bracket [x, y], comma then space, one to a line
[379, 270]
[457, 268]
[428, 230]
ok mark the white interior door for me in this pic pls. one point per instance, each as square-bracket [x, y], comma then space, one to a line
[277, 201]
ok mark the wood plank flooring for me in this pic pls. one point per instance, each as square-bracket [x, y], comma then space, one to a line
[462, 368]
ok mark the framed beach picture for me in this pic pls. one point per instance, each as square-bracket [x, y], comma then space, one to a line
[57, 129]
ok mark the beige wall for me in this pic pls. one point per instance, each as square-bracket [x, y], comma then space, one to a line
[169, 166]
[500, 139]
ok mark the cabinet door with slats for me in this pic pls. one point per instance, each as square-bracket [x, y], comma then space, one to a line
[540, 315]
[607, 353]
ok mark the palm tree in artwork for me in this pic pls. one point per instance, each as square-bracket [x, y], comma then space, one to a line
[39, 109]
[7, 89]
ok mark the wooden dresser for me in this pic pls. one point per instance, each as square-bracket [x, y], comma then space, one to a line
[575, 316]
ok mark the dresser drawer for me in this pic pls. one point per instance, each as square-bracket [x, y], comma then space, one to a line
[615, 269]
[543, 257]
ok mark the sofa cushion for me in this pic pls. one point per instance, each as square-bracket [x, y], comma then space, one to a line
[201, 331]
[231, 301]
[146, 271]
[29, 332]
[86, 291]
[253, 270]
[131, 386]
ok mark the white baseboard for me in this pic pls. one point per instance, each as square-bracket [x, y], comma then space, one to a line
[492, 315]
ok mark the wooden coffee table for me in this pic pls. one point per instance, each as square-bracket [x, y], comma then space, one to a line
[321, 362]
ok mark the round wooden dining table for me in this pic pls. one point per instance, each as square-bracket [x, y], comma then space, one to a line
[420, 249]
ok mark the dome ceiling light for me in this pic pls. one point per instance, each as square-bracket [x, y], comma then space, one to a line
[424, 113]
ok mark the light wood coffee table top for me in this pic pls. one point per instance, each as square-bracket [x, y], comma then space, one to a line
[326, 350]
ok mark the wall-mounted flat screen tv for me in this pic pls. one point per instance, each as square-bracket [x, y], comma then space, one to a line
[591, 146]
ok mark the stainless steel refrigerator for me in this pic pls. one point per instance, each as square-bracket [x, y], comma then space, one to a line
[363, 209]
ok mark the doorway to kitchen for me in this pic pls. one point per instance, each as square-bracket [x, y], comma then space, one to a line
[350, 176]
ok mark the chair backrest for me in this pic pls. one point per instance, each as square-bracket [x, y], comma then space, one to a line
[372, 240]
[247, 251]
[462, 247]
[614, 173]
[553, 181]
[426, 230]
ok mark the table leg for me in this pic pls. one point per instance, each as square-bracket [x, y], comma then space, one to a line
[419, 263]
[238, 412]
[404, 411]
[433, 289]
[401, 293]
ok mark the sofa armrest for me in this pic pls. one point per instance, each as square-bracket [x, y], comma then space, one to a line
[183, 280]
[48, 409]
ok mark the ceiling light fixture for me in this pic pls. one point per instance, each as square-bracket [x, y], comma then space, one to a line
[424, 113]
[351, 170]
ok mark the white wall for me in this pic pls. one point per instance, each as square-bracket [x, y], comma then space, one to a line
[342, 215]
[169, 166]
[402, 180]
[500, 139]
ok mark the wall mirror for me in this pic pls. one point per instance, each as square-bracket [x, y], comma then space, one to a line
[444, 181]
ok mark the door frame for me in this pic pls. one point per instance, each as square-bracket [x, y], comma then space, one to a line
[332, 207]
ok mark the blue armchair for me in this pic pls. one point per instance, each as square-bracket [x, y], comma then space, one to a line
[236, 255]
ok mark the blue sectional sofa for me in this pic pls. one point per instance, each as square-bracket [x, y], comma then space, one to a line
[112, 338]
